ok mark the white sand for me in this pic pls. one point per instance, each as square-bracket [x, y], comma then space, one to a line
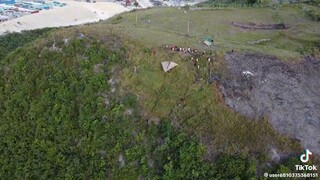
[73, 14]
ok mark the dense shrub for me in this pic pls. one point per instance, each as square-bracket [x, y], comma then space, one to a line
[312, 13]
[12, 41]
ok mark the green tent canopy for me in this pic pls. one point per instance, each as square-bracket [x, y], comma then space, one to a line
[208, 38]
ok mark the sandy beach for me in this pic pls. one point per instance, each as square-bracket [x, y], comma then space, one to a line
[74, 13]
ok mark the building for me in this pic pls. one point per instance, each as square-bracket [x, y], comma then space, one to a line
[3, 18]
[7, 1]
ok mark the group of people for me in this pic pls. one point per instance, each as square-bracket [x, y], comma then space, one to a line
[196, 54]
[196, 61]
[199, 58]
[179, 49]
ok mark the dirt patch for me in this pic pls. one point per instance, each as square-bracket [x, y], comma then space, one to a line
[287, 93]
[97, 68]
[113, 42]
[254, 26]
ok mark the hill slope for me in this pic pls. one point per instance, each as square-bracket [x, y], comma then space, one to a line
[93, 102]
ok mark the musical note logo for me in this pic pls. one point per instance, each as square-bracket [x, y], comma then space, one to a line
[305, 157]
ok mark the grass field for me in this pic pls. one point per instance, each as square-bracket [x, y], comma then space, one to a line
[170, 26]
[197, 107]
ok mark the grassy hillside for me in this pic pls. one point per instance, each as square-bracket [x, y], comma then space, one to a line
[196, 106]
[169, 26]
[59, 119]
[93, 102]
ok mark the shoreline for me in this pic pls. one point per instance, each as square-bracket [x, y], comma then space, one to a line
[74, 13]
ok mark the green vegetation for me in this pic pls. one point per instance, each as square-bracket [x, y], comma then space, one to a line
[100, 107]
[229, 3]
[235, 167]
[312, 12]
[169, 26]
[15, 40]
[136, 4]
[195, 106]
[51, 114]
[56, 122]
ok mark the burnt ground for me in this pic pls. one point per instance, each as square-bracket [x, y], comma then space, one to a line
[286, 93]
[259, 26]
